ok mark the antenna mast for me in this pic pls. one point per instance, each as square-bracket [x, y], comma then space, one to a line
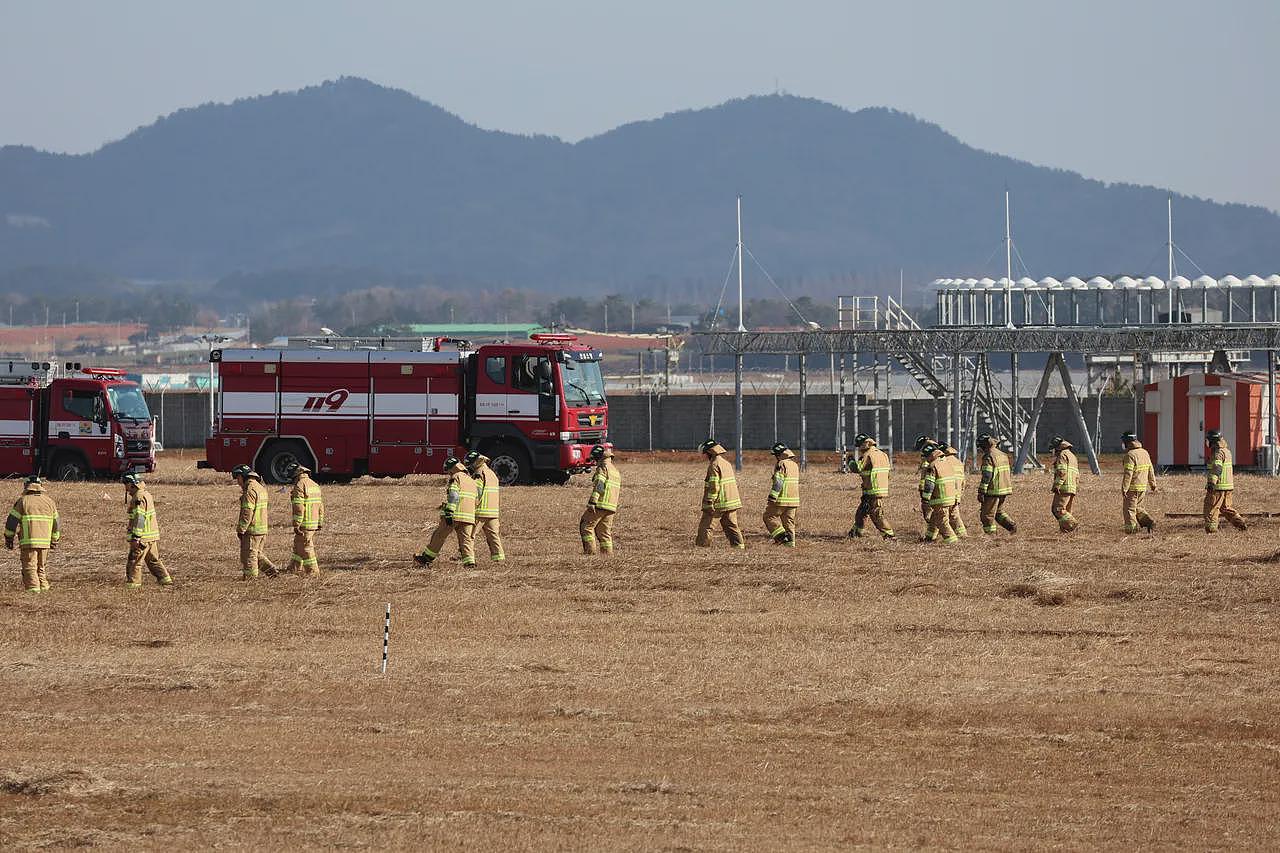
[1168, 282]
[741, 327]
[1008, 265]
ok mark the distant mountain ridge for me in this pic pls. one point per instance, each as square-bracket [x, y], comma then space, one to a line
[352, 174]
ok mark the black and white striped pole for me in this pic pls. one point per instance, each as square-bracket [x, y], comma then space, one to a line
[386, 637]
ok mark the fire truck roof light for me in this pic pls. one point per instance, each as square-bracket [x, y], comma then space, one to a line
[102, 371]
[557, 338]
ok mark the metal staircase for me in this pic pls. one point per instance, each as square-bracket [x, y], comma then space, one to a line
[988, 401]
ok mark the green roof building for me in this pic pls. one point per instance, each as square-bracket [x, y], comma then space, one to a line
[468, 331]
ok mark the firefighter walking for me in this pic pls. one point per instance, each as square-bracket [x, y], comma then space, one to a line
[251, 527]
[720, 497]
[308, 519]
[873, 466]
[486, 503]
[923, 471]
[596, 525]
[1219, 486]
[143, 535]
[1066, 478]
[955, 468]
[784, 497]
[939, 490]
[457, 514]
[1139, 476]
[33, 521]
[995, 487]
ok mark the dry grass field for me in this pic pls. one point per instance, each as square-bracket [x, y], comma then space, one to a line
[844, 693]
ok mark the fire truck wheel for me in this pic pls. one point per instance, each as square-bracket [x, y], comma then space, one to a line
[511, 464]
[277, 458]
[70, 466]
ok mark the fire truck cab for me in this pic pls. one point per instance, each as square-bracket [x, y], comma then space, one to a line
[346, 407]
[72, 424]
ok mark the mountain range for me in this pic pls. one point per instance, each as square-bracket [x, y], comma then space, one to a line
[350, 174]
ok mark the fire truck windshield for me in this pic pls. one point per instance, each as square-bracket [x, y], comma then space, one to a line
[127, 402]
[583, 384]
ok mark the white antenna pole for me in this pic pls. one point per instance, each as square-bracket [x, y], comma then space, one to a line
[1168, 282]
[741, 327]
[1008, 265]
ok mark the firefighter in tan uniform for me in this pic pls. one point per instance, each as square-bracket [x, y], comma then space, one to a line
[1219, 486]
[926, 466]
[784, 497]
[1066, 479]
[873, 466]
[940, 490]
[457, 514]
[308, 519]
[33, 521]
[486, 502]
[1139, 476]
[957, 477]
[720, 497]
[995, 487]
[143, 535]
[596, 525]
[251, 527]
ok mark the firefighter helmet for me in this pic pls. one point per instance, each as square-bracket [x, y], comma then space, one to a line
[778, 449]
[1128, 438]
[1212, 436]
[922, 440]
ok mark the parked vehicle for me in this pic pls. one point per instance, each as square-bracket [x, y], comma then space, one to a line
[360, 406]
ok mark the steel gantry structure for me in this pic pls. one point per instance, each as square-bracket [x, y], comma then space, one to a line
[957, 342]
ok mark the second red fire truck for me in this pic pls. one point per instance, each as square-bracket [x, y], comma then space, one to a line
[73, 423]
[349, 407]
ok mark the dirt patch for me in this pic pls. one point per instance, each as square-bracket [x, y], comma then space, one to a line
[72, 783]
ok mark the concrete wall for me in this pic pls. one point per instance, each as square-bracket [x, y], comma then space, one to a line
[682, 421]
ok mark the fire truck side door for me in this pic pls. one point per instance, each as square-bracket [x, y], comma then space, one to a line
[492, 387]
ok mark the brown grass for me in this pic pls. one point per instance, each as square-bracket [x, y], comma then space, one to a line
[845, 693]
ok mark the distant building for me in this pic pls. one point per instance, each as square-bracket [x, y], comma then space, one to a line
[474, 332]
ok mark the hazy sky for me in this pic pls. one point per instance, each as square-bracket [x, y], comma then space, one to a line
[1177, 93]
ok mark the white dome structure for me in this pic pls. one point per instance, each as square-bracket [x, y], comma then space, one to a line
[1230, 281]
[1100, 283]
[1205, 281]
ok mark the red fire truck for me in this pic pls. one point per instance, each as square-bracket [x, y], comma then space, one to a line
[72, 424]
[345, 407]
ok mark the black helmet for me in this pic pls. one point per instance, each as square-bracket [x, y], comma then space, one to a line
[1212, 436]
[470, 458]
[131, 479]
[450, 462]
[707, 445]
[927, 448]
[779, 449]
[861, 438]
[241, 471]
[922, 440]
[33, 480]
[1128, 437]
[597, 452]
[985, 439]
[1056, 442]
